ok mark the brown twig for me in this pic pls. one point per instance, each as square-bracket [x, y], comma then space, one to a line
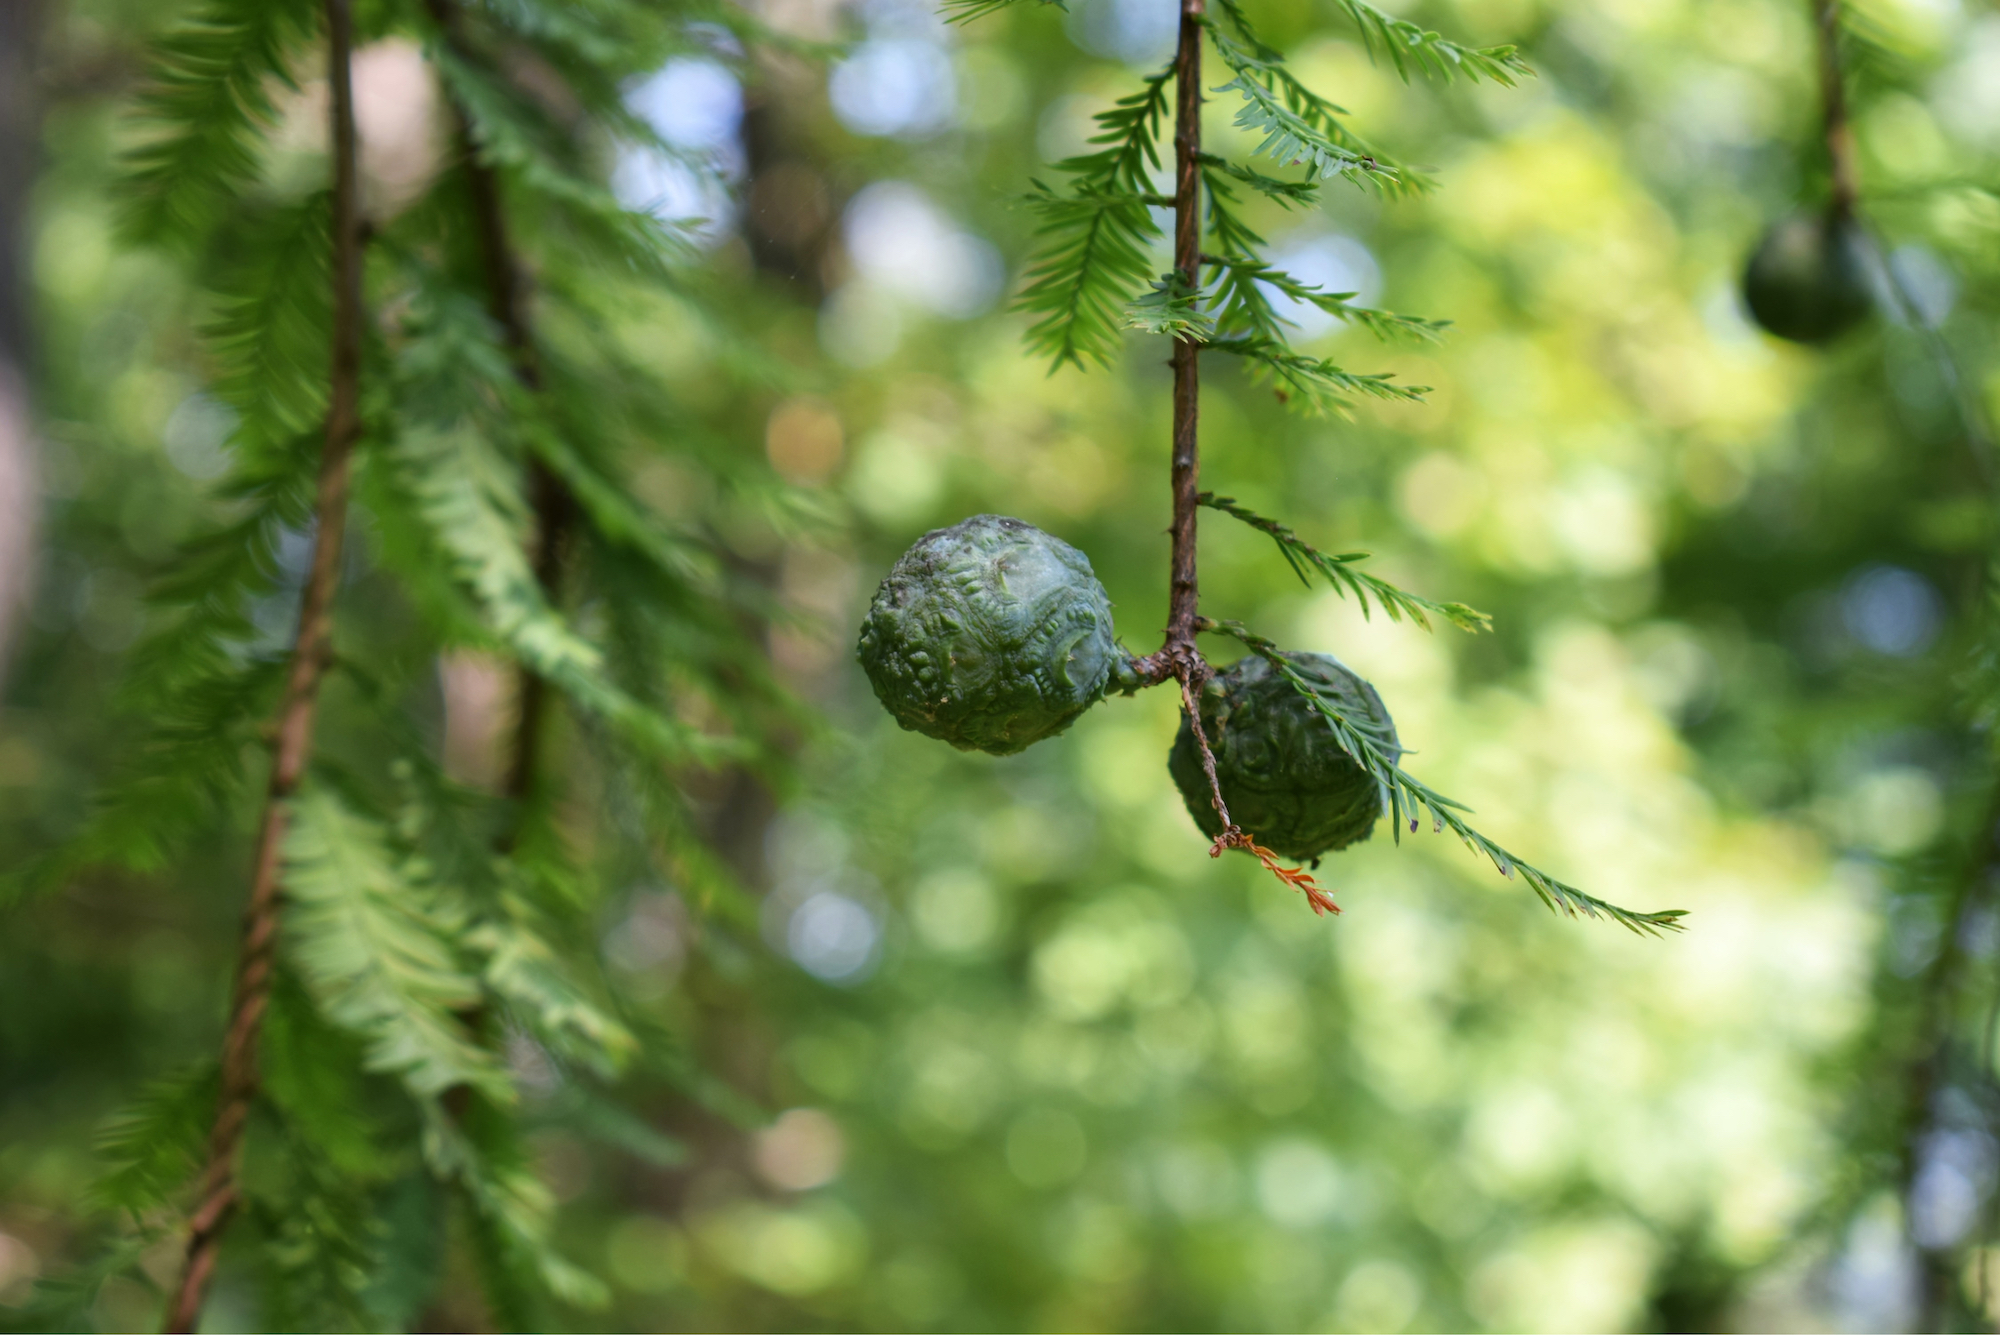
[1178, 657]
[1233, 835]
[551, 503]
[1189, 689]
[1181, 598]
[292, 746]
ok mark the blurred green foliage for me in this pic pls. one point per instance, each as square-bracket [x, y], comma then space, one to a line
[1005, 1049]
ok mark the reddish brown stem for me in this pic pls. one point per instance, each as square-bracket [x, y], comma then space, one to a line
[311, 651]
[1181, 609]
[1178, 657]
[1192, 706]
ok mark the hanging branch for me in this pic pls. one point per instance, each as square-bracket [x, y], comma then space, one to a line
[1179, 657]
[311, 651]
[553, 505]
[1091, 266]
[1930, 1051]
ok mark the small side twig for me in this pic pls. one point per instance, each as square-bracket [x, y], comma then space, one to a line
[1193, 676]
[1233, 835]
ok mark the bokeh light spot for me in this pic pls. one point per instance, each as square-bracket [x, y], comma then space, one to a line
[801, 1150]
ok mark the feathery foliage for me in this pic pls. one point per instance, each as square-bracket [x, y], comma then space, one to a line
[150, 1149]
[1098, 238]
[1316, 381]
[1300, 127]
[467, 492]
[1169, 308]
[208, 101]
[1094, 274]
[205, 673]
[1409, 46]
[379, 947]
[512, 134]
[1245, 286]
[431, 927]
[1342, 573]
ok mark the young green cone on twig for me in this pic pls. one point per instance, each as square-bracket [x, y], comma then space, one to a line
[1305, 749]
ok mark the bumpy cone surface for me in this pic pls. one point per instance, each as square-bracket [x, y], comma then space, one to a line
[1808, 279]
[1285, 778]
[990, 635]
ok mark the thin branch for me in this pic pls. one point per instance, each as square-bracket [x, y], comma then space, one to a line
[1179, 657]
[311, 651]
[553, 505]
[1181, 611]
[1339, 571]
[1190, 688]
[1320, 385]
[1233, 835]
[1409, 798]
[1406, 44]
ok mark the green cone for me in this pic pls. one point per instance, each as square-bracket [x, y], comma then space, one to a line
[990, 635]
[1286, 780]
[1808, 279]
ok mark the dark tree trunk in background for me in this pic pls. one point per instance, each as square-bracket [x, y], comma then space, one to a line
[789, 211]
[20, 120]
[788, 203]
